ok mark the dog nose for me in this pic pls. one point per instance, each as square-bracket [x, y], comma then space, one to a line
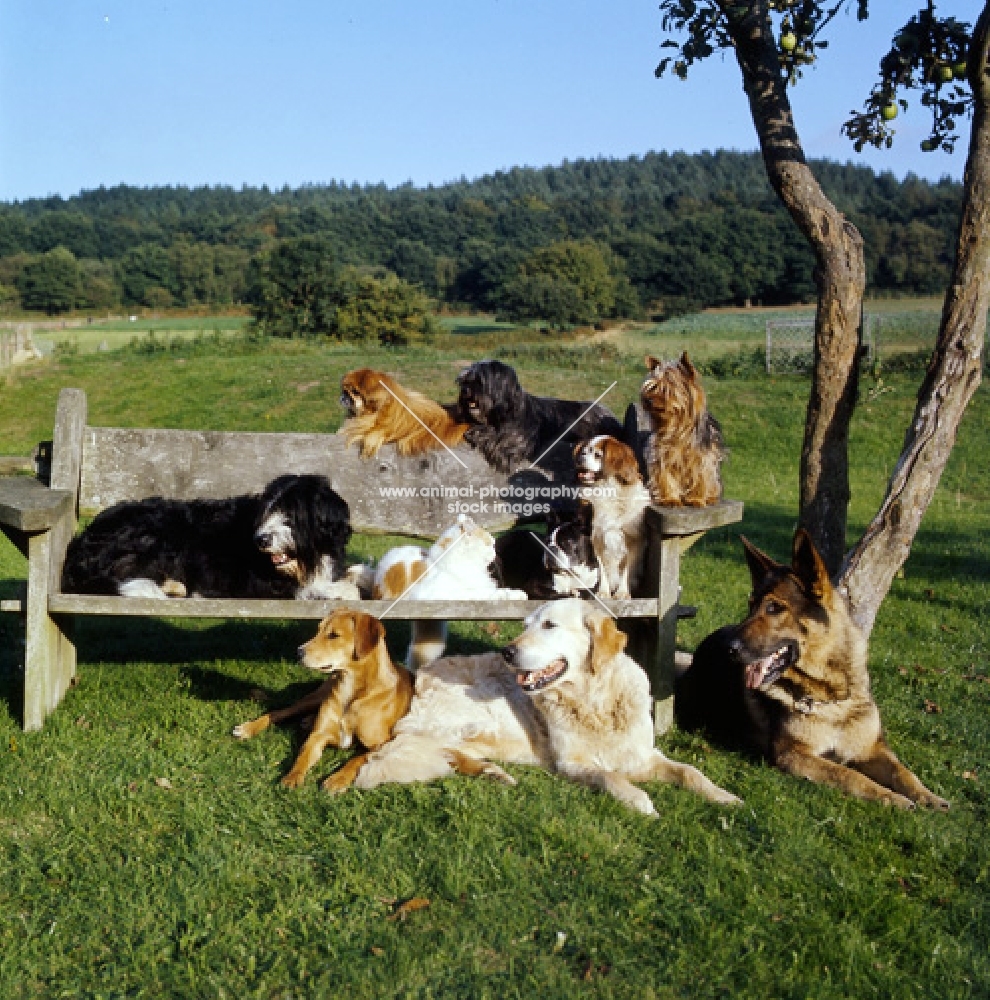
[263, 539]
[509, 653]
[735, 647]
[301, 653]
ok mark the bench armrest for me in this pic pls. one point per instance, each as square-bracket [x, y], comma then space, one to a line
[690, 520]
[29, 506]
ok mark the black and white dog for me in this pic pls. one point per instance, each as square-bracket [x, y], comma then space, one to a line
[511, 426]
[285, 542]
[561, 565]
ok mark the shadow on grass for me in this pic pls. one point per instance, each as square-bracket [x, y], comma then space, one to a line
[938, 554]
[217, 685]
[149, 640]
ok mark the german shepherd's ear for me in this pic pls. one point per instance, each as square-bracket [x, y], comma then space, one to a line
[809, 568]
[606, 639]
[652, 363]
[368, 632]
[760, 564]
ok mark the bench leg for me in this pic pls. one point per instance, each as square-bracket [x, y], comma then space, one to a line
[669, 590]
[49, 655]
[662, 677]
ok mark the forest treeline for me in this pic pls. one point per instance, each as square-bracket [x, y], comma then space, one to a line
[575, 243]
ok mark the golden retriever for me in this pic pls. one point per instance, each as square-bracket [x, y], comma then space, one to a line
[563, 696]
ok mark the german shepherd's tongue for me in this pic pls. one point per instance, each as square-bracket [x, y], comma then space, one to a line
[759, 671]
[755, 672]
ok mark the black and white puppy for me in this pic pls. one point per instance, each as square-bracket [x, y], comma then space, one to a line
[511, 426]
[285, 542]
[561, 565]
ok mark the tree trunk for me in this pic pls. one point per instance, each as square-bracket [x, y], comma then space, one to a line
[953, 372]
[840, 277]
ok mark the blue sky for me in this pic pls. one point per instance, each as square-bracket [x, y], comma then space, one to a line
[306, 91]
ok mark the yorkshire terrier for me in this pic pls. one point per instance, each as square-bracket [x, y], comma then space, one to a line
[685, 446]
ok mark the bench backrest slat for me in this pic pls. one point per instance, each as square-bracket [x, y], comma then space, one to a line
[121, 464]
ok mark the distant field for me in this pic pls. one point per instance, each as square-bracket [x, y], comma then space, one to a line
[112, 334]
[898, 325]
[473, 325]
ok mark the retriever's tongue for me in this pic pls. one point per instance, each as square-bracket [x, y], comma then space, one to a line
[524, 679]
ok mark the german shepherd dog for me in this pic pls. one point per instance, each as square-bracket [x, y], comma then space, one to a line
[790, 683]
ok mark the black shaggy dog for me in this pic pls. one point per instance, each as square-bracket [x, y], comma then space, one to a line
[510, 426]
[286, 542]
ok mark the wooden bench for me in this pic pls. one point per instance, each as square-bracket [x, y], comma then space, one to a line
[85, 469]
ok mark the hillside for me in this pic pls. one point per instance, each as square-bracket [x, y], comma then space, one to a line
[670, 231]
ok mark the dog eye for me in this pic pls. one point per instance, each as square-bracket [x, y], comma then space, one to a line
[549, 624]
[773, 608]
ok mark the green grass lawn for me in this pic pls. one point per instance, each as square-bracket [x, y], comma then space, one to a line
[146, 853]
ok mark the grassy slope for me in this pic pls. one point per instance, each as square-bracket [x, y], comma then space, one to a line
[224, 884]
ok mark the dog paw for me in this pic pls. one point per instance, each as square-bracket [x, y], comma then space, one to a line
[335, 784]
[646, 808]
[724, 798]
[898, 801]
[293, 780]
[933, 801]
[242, 732]
[496, 773]
[638, 799]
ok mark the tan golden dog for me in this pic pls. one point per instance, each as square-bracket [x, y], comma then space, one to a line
[363, 698]
[614, 487]
[564, 696]
[685, 445]
[791, 684]
[380, 412]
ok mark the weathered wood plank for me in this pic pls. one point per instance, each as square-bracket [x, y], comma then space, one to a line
[197, 607]
[30, 506]
[415, 496]
[67, 441]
